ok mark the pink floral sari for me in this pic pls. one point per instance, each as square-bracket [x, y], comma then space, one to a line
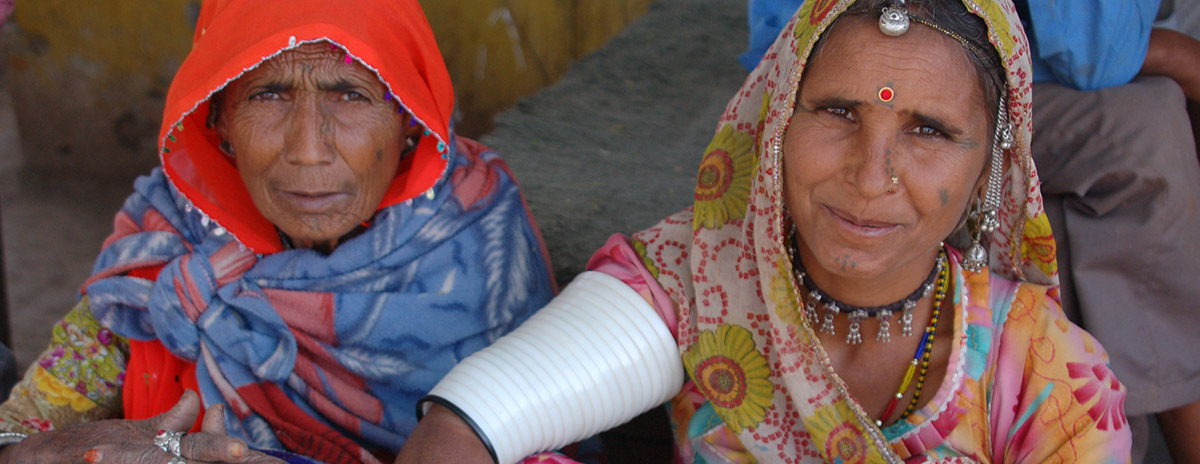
[1023, 384]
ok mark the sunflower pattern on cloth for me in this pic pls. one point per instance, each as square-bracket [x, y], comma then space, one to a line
[1024, 384]
[723, 184]
[732, 374]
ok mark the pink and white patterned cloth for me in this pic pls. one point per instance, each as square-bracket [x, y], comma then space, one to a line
[6, 8]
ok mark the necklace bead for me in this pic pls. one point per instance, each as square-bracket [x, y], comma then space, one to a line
[924, 352]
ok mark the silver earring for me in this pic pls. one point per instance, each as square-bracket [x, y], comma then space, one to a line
[987, 216]
[893, 20]
[977, 256]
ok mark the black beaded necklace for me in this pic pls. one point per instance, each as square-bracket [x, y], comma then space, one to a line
[858, 314]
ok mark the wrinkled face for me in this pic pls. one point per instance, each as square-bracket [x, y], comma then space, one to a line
[845, 143]
[315, 141]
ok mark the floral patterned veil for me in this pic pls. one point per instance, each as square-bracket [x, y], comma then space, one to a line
[724, 261]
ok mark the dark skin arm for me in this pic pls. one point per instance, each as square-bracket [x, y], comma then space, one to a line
[1176, 56]
[442, 436]
[132, 441]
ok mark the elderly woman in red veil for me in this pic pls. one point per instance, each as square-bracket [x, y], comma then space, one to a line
[315, 252]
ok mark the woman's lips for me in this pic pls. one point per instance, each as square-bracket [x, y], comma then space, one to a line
[861, 226]
[311, 202]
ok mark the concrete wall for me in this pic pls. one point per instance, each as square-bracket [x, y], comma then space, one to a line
[88, 79]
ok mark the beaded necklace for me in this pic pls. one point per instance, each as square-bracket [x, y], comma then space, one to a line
[924, 351]
[857, 314]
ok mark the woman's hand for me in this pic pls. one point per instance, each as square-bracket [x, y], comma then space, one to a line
[442, 436]
[132, 441]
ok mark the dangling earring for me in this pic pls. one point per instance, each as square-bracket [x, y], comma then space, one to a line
[410, 144]
[987, 217]
[977, 256]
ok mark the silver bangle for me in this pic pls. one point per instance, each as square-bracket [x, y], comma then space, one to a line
[11, 438]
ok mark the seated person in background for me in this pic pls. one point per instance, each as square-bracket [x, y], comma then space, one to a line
[1117, 154]
[315, 252]
[866, 275]
[1117, 159]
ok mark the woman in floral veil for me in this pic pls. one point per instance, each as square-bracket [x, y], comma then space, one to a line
[866, 275]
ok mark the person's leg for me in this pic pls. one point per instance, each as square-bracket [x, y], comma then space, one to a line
[1181, 427]
[1193, 109]
[8, 371]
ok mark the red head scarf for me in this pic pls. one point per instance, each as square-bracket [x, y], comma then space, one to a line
[392, 38]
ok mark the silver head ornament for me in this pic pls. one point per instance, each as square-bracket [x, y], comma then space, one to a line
[893, 20]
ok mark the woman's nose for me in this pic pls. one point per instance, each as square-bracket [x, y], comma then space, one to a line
[310, 133]
[870, 168]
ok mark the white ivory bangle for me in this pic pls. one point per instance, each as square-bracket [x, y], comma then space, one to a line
[593, 358]
[11, 438]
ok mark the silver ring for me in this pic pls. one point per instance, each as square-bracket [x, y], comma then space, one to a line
[168, 440]
[176, 460]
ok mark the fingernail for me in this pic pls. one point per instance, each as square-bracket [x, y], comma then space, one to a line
[237, 450]
[92, 455]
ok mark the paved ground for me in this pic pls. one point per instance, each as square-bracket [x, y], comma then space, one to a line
[612, 147]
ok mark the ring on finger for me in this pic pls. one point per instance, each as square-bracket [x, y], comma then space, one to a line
[168, 440]
[176, 460]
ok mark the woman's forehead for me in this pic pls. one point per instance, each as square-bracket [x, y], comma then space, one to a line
[921, 66]
[316, 60]
[309, 56]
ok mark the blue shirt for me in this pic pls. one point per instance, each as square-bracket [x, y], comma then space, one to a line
[1087, 45]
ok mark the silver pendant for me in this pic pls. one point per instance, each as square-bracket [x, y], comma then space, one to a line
[855, 335]
[990, 222]
[827, 326]
[810, 307]
[885, 327]
[1006, 136]
[976, 258]
[893, 21]
[907, 318]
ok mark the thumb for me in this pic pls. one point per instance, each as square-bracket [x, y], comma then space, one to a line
[214, 420]
[181, 416]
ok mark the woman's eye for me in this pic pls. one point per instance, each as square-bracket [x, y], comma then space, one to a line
[928, 131]
[352, 95]
[264, 95]
[840, 112]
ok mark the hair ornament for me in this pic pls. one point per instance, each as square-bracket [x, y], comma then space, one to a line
[893, 20]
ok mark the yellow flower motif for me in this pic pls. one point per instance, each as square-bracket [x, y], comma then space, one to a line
[1038, 245]
[724, 182]
[815, 11]
[997, 20]
[639, 247]
[58, 393]
[732, 374]
[762, 119]
[783, 294]
[837, 436]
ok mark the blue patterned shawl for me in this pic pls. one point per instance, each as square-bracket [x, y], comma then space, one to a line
[348, 342]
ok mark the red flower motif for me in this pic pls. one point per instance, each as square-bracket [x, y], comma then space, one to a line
[1101, 384]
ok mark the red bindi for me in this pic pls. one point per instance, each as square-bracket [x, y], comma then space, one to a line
[886, 94]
